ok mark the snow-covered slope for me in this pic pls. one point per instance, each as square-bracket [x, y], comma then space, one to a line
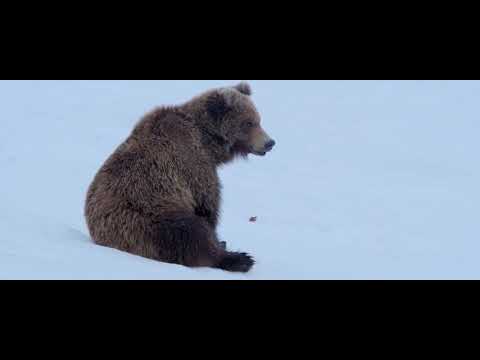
[370, 179]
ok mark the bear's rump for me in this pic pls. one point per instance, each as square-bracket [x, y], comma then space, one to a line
[175, 236]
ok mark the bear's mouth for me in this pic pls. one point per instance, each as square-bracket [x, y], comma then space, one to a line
[258, 153]
[245, 150]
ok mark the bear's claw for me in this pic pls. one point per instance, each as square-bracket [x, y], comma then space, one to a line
[237, 262]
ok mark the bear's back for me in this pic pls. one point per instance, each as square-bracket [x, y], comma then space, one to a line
[163, 161]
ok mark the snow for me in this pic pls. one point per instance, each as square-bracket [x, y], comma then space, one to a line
[369, 179]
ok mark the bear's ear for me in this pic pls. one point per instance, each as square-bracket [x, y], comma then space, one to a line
[244, 88]
[218, 105]
[224, 100]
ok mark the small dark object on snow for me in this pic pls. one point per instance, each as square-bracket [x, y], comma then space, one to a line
[253, 219]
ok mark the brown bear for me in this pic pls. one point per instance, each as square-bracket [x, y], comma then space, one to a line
[158, 195]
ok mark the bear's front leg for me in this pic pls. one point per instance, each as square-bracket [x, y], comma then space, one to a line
[209, 214]
[208, 210]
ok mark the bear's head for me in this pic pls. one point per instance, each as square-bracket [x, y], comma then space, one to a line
[232, 119]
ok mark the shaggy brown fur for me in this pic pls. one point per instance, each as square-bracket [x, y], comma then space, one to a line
[158, 195]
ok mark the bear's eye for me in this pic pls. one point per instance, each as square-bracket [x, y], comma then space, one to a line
[250, 124]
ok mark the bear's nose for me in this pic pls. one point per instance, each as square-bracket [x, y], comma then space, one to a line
[270, 145]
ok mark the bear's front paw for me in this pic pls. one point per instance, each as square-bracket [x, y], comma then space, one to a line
[237, 262]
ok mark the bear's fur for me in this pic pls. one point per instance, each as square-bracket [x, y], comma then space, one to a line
[158, 195]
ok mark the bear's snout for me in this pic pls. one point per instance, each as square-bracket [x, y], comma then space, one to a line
[262, 143]
[270, 145]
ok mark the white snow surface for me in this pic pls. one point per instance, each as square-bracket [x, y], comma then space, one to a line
[369, 179]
